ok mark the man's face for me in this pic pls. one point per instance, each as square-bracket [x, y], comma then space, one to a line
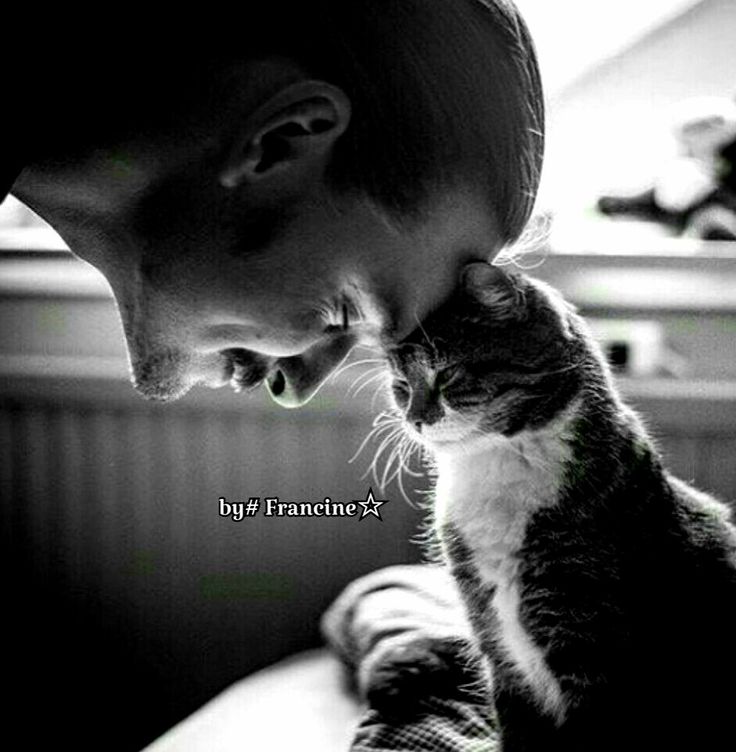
[221, 278]
[210, 288]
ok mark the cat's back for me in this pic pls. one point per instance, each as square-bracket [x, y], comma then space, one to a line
[709, 520]
[702, 552]
[696, 654]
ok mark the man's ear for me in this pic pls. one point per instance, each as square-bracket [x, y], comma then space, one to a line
[493, 288]
[293, 132]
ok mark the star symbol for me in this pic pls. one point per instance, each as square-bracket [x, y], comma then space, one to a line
[370, 505]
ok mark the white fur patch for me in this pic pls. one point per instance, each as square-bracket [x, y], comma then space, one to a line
[488, 490]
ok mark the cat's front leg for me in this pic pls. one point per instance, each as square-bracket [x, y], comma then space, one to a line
[523, 727]
[405, 671]
[404, 634]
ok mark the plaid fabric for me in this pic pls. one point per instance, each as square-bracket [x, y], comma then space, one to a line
[446, 726]
[405, 610]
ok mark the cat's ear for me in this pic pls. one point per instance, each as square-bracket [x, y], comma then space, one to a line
[493, 288]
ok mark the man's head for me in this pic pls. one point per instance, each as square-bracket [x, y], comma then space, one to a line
[316, 182]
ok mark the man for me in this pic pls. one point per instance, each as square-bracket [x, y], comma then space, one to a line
[258, 212]
[316, 181]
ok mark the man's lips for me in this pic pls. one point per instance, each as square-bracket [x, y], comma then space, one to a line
[245, 369]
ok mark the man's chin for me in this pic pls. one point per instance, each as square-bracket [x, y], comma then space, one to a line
[170, 374]
[161, 391]
[163, 375]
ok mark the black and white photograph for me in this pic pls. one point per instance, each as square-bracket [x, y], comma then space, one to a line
[368, 376]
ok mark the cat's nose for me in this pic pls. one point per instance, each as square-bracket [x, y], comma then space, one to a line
[423, 414]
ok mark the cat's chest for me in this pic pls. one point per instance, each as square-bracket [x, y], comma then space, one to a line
[487, 499]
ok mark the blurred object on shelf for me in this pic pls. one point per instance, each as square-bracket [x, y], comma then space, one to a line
[713, 222]
[588, 232]
[694, 194]
[637, 348]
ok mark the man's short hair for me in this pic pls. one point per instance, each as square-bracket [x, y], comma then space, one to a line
[443, 91]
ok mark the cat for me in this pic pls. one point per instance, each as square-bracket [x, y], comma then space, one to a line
[601, 589]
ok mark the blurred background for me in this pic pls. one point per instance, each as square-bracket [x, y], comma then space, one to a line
[141, 602]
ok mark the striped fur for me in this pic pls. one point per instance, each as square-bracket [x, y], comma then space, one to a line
[601, 589]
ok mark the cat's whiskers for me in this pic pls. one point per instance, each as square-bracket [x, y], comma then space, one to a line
[394, 455]
[397, 455]
[400, 483]
[387, 417]
[380, 389]
[402, 454]
[390, 427]
[362, 377]
[372, 376]
[405, 495]
[409, 448]
[385, 444]
[352, 364]
[381, 423]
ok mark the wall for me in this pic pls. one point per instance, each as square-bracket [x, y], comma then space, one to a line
[609, 127]
[128, 579]
[132, 601]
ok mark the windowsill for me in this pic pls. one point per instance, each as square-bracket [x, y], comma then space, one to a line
[694, 406]
[652, 283]
[656, 273]
[37, 260]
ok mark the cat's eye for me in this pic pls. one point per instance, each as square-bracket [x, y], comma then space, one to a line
[401, 387]
[447, 377]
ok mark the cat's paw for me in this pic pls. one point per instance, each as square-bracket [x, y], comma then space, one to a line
[404, 672]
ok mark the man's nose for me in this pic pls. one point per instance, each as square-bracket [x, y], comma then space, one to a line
[295, 380]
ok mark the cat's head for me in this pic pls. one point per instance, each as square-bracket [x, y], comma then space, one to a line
[505, 353]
